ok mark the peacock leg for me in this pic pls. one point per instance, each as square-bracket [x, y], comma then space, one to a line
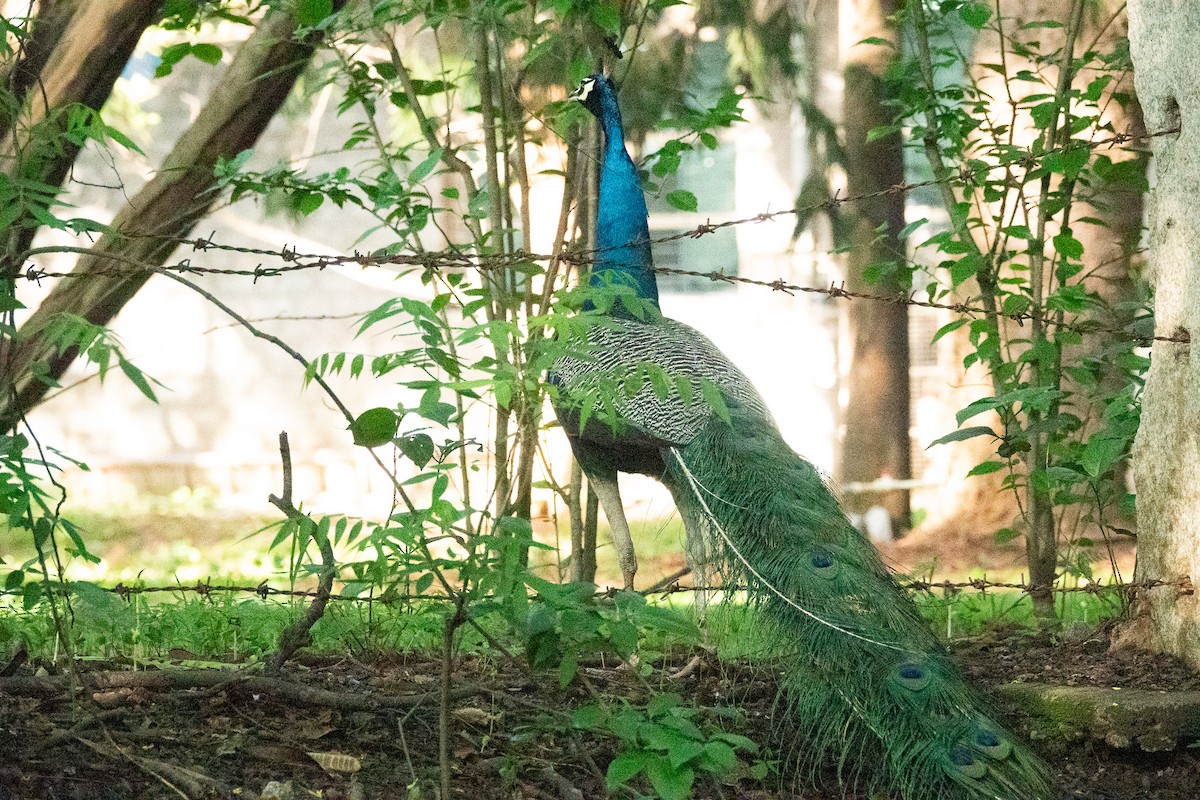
[610, 500]
[695, 548]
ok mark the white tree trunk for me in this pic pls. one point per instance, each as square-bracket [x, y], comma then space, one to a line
[1163, 36]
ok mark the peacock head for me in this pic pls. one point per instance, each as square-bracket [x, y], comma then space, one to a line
[591, 90]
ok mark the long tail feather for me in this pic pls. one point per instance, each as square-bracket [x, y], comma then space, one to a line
[869, 687]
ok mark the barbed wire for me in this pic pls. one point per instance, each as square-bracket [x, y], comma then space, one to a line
[833, 291]
[1183, 587]
[294, 261]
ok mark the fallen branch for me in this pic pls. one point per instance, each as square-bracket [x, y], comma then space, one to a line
[258, 686]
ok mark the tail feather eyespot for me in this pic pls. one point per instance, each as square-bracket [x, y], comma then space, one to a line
[991, 743]
[912, 676]
[823, 563]
[962, 760]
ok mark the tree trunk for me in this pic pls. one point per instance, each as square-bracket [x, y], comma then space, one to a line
[147, 230]
[1163, 35]
[876, 442]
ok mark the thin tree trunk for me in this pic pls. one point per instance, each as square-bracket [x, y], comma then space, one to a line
[147, 230]
[876, 441]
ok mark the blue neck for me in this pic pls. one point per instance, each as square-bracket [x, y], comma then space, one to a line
[622, 232]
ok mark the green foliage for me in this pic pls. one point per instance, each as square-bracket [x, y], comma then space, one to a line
[173, 54]
[1063, 356]
[956, 615]
[569, 624]
[665, 744]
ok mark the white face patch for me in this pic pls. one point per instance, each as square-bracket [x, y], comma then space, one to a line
[585, 89]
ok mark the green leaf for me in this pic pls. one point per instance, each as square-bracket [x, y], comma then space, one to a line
[589, 717]
[432, 408]
[949, 327]
[479, 205]
[310, 202]
[606, 16]
[375, 427]
[671, 783]
[682, 200]
[1101, 453]
[169, 57]
[31, 594]
[964, 434]
[662, 703]
[416, 447]
[965, 268]
[722, 757]
[911, 227]
[974, 408]
[986, 468]
[1006, 535]
[567, 668]
[684, 751]
[310, 12]
[121, 139]
[9, 214]
[881, 132]
[426, 166]
[137, 378]
[1068, 246]
[626, 766]
[208, 53]
[14, 579]
[626, 724]
[975, 14]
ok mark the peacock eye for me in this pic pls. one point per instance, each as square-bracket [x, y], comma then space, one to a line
[585, 88]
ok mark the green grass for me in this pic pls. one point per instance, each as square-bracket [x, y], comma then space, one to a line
[232, 627]
[969, 613]
[227, 628]
[158, 547]
[168, 546]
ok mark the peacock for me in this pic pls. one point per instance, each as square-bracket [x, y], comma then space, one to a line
[867, 686]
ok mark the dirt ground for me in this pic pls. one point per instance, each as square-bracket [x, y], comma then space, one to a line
[208, 737]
